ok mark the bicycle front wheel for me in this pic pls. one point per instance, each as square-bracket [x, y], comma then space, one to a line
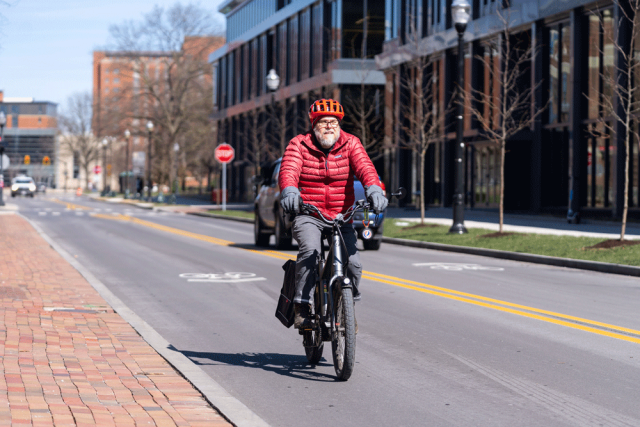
[343, 341]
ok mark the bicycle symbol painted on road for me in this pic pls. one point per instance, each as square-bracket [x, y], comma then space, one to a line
[230, 277]
[456, 266]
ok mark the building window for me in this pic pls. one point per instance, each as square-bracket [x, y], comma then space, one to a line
[559, 85]
[601, 65]
[116, 81]
[116, 71]
[106, 81]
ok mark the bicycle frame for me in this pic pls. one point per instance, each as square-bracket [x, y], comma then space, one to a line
[337, 273]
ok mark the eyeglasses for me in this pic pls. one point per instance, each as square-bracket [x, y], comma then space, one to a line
[328, 123]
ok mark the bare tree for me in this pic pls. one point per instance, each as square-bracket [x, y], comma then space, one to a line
[258, 149]
[279, 125]
[363, 113]
[423, 113]
[505, 110]
[172, 83]
[74, 124]
[623, 77]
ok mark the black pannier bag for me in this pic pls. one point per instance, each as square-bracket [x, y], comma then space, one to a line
[284, 310]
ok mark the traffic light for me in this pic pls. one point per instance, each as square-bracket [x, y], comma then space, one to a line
[27, 159]
[46, 161]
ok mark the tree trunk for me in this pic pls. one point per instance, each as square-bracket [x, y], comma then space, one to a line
[502, 153]
[626, 183]
[422, 153]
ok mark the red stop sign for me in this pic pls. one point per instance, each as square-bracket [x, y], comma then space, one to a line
[224, 153]
[97, 169]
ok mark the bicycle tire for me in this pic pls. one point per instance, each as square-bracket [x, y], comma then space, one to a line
[314, 353]
[343, 342]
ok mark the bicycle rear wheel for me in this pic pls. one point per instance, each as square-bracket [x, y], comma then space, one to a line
[313, 350]
[312, 340]
[343, 342]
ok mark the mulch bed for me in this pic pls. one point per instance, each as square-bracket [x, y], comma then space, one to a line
[494, 235]
[614, 243]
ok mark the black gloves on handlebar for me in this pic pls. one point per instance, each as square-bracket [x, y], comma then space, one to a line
[290, 200]
[376, 198]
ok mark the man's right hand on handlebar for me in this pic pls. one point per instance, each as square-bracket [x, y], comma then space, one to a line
[376, 198]
[290, 200]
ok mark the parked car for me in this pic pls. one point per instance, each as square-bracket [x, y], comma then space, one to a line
[270, 220]
[23, 185]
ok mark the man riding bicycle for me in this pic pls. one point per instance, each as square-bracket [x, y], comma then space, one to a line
[318, 168]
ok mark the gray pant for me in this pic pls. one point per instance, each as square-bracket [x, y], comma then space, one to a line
[307, 231]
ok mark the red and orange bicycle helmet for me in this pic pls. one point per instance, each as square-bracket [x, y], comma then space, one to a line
[325, 107]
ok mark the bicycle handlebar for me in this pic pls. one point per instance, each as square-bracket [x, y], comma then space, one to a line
[341, 218]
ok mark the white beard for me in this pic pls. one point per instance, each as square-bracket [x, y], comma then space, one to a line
[327, 141]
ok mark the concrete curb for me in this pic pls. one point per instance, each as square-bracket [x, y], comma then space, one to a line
[601, 267]
[229, 407]
[230, 218]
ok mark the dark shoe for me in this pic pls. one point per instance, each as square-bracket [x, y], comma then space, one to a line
[303, 316]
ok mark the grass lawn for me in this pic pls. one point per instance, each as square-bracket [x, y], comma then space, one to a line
[241, 214]
[540, 244]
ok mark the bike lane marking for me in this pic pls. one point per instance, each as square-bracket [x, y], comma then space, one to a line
[231, 277]
[600, 328]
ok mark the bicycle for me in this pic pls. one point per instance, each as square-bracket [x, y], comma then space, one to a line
[333, 313]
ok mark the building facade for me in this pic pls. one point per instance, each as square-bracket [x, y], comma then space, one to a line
[131, 88]
[572, 156]
[29, 138]
[318, 49]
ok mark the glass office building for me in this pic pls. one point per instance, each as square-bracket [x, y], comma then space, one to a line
[318, 49]
[572, 157]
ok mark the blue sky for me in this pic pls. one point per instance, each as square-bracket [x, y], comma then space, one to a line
[46, 45]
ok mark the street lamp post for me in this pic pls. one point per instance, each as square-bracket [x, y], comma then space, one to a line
[460, 13]
[176, 148]
[127, 135]
[3, 121]
[150, 129]
[105, 142]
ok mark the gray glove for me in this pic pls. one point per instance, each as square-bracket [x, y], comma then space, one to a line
[376, 198]
[290, 200]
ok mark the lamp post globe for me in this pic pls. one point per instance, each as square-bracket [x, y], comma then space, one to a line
[460, 13]
[273, 80]
[3, 121]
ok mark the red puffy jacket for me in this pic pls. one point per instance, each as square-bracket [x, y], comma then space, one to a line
[326, 181]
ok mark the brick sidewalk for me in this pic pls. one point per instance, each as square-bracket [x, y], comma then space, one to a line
[84, 366]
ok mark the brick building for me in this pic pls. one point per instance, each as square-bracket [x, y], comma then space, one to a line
[121, 82]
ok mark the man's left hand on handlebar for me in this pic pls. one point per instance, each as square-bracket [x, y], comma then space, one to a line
[376, 198]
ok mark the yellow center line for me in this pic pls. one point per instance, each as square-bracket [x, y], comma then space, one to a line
[379, 277]
[71, 206]
[531, 312]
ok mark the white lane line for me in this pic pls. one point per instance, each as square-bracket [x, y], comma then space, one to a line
[42, 213]
[55, 213]
[79, 213]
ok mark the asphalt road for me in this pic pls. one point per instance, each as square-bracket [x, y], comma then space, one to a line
[471, 342]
